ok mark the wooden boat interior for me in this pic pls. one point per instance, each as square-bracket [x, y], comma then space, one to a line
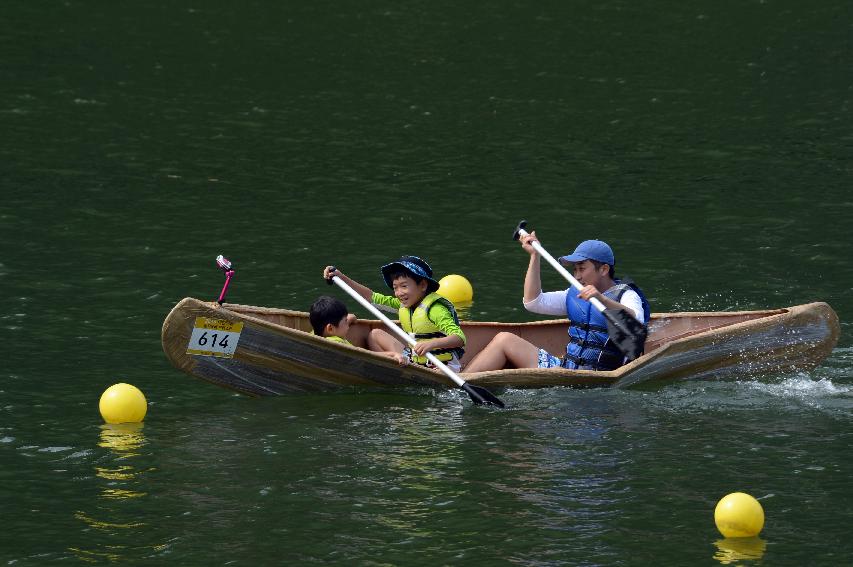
[549, 334]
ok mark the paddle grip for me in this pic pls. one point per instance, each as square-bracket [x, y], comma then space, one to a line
[557, 266]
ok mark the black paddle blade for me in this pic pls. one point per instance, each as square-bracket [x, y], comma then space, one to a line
[480, 395]
[628, 334]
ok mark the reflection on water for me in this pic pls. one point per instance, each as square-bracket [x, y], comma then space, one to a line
[102, 525]
[124, 439]
[109, 516]
[464, 310]
[419, 456]
[94, 556]
[734, 549]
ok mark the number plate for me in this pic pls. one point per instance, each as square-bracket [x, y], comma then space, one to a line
[214, 337]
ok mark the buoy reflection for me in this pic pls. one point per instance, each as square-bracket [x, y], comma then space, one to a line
[114, 515]
[122, 438]
[125, 440]
[734, 549]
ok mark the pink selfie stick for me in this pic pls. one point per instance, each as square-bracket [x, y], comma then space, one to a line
[225, 266]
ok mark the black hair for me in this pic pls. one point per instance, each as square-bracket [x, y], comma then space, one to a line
[402, 273]
[611, 274]
[324, 311]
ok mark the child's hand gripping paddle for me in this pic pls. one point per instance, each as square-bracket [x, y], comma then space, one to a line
[479, 395]
[628, 334]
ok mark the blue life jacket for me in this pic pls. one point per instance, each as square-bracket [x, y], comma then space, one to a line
[590, 347]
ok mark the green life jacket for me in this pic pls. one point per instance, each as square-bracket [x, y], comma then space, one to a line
[417, 324]
[335, 339]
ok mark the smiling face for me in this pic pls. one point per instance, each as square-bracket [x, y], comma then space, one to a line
[587, 274]
[408, 291]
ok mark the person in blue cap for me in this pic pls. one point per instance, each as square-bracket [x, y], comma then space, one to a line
[427, 316]
[588, 347]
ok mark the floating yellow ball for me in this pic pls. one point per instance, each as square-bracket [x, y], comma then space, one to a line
[456, 288]
[739, 515]
[123, 403]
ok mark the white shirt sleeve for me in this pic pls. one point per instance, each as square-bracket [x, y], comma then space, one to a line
[550, 303]
[631, 300]
[554, 303]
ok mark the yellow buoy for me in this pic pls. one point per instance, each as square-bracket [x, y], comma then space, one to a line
[739, 515]
[456, 288]
[123, 403]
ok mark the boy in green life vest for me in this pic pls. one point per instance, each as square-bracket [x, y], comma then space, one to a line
[330, 319]
[425, 315]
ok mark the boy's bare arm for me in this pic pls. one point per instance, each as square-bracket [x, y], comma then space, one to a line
[363, 291]
[450, 341]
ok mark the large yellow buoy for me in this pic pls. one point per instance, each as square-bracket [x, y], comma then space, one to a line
[456, 288]
[123, 403]
[739, 515]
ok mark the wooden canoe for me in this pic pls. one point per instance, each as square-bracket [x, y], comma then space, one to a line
[272, 351]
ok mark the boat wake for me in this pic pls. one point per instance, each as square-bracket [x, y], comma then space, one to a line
[825, 390]
[804, 388]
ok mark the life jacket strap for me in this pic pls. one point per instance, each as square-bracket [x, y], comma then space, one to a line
[609, 358]
[443, 354]
[424, 336]
[588, 327]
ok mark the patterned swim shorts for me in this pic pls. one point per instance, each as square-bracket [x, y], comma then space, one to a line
[548, 360]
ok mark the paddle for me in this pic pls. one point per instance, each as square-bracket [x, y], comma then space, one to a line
[628, 334]
[479, 395]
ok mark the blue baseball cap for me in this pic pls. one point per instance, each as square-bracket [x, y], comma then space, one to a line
[591, 250]
[413, 265]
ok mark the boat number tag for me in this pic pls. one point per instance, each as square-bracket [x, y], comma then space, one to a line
[214, 337]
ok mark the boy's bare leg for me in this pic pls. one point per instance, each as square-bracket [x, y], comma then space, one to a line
[505, 350]
[382, 341]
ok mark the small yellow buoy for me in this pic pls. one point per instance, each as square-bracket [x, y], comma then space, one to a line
[456, 288]
[123, 403]
[739, 515]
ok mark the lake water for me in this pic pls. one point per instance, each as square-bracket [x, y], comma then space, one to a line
[709, 142]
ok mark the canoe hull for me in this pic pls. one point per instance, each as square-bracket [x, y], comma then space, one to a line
[276, 355]
[797, 338]
[272, 359]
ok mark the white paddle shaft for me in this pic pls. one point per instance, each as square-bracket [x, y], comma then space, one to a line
[400, 332]
[563, 271]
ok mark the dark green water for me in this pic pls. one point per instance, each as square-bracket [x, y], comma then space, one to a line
[709, 142]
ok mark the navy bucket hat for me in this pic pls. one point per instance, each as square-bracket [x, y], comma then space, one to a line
[414, 266]
[591, 250]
